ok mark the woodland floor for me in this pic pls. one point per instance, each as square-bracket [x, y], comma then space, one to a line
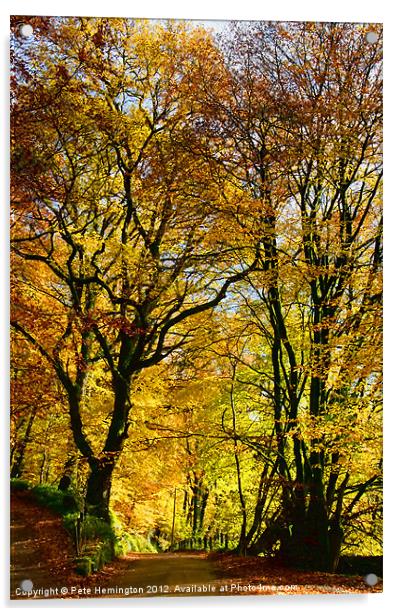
[43, 552]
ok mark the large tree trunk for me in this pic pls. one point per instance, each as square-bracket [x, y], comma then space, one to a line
[101, 467]
[317, 538]
[306, 540]
[99, 488]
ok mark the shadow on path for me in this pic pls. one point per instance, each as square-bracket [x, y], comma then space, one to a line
[166, 574]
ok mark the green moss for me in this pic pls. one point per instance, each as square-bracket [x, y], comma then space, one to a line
[95, 528]
[70, 520]
[98, 541]
[101, 541]
[97, 554]
[61, 502]
[84, 565]
[97, 536]
[19, 484]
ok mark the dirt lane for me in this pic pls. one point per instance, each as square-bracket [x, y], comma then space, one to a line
[41, 549]
[43, 552]
[166, 574]
[42, 555]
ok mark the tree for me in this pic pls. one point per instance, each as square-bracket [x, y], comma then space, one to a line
[197, 256]
[125, 220]
[303, 116]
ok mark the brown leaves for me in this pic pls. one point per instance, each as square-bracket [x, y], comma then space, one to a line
[62, 72]
[266, 576]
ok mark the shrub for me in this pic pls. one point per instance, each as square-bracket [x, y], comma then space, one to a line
[129, 542]
[19, 484]
[95, 528]
[61, 502]
[83, 565]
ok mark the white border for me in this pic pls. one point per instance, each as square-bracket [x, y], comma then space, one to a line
[335, 10]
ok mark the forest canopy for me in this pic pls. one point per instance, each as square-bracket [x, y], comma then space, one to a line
[196, 279]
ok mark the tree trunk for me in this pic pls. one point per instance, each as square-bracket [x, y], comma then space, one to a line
[42, 468]
[263, 489]
[16, 469]
[205, 495]
[336, 537]
[196, 503]
[101, 468]
[99, 489]
[305, 542]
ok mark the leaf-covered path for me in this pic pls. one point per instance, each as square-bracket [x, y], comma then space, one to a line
[42, 551]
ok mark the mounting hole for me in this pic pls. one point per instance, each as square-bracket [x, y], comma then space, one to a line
[26, 30]
[26, 585]
[371, 579]
[371, 37]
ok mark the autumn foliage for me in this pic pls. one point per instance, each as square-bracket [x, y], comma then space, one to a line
[196, 279]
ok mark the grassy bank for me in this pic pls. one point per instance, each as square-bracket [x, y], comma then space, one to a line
[96, 541]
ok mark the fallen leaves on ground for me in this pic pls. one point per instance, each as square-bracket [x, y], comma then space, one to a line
[41, 544]
[258, 575]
